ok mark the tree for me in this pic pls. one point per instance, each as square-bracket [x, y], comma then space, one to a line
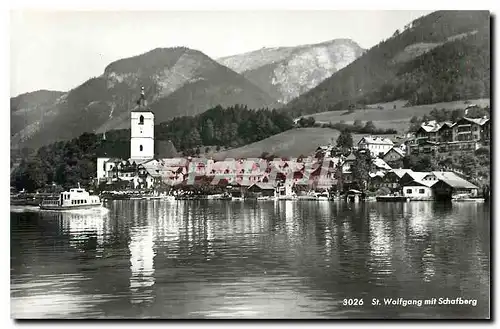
[358, 123]
[339, 177]
[469, 164]
[194, 139]
[420, 163]
[396, 164]
[31, 176]
[307, 122]
[208, 132]
[456, 114]
[370, 127]
[345, 140]
[361, 169]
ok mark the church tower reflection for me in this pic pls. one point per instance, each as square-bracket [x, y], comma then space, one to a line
[142, 255]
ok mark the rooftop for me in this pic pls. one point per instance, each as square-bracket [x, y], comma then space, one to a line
[453, 179]
[376, 140]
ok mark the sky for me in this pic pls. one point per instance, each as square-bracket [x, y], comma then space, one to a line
[59, 50]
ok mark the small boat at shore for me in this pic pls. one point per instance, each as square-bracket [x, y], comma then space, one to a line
[314, 196]
[392, 198]
[468, 199]
[265, 198]
[25, 201]
[75, 198]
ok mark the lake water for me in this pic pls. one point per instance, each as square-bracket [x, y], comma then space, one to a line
[220, 259]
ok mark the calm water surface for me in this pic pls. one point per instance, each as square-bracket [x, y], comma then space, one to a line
[218, 259]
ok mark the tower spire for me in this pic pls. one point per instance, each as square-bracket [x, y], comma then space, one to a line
[142, 100]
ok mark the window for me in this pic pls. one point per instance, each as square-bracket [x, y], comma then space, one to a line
[141, 120]
[140, 148]
[421, 191]
[408, 191]
[72, 201]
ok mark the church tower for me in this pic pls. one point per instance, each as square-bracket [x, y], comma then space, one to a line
[142, 125]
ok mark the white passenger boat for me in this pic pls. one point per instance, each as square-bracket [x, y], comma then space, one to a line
[75, 198]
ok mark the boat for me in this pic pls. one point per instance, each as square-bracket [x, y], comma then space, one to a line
[25, 200]
[323, 196]
[265, 198]
[237, 198]
[464, 198]
[313, 196]
[75, 198]
[307, 197]
[221, 196]
[287, 197]
[392, 198]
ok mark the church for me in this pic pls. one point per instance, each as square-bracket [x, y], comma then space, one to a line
[140, 170]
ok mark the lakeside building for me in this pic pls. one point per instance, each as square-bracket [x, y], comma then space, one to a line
[436, 185]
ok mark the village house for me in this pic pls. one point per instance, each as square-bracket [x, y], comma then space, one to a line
[464, 135]
[262, 190]
[392, 179]
[377, 146]
[418, 190]
[322, 174]
[249, 172]
[394, 154]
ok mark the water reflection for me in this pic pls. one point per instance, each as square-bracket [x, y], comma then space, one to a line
[141, 263]
[420, 219]
[381, 247]
[248, 259]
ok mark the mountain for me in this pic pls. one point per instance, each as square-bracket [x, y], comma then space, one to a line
[441, 57]
[26, 109]
[286, 72]
[177, 81]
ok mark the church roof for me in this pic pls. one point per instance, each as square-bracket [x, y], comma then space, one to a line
[142, 103]
[142, 109]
